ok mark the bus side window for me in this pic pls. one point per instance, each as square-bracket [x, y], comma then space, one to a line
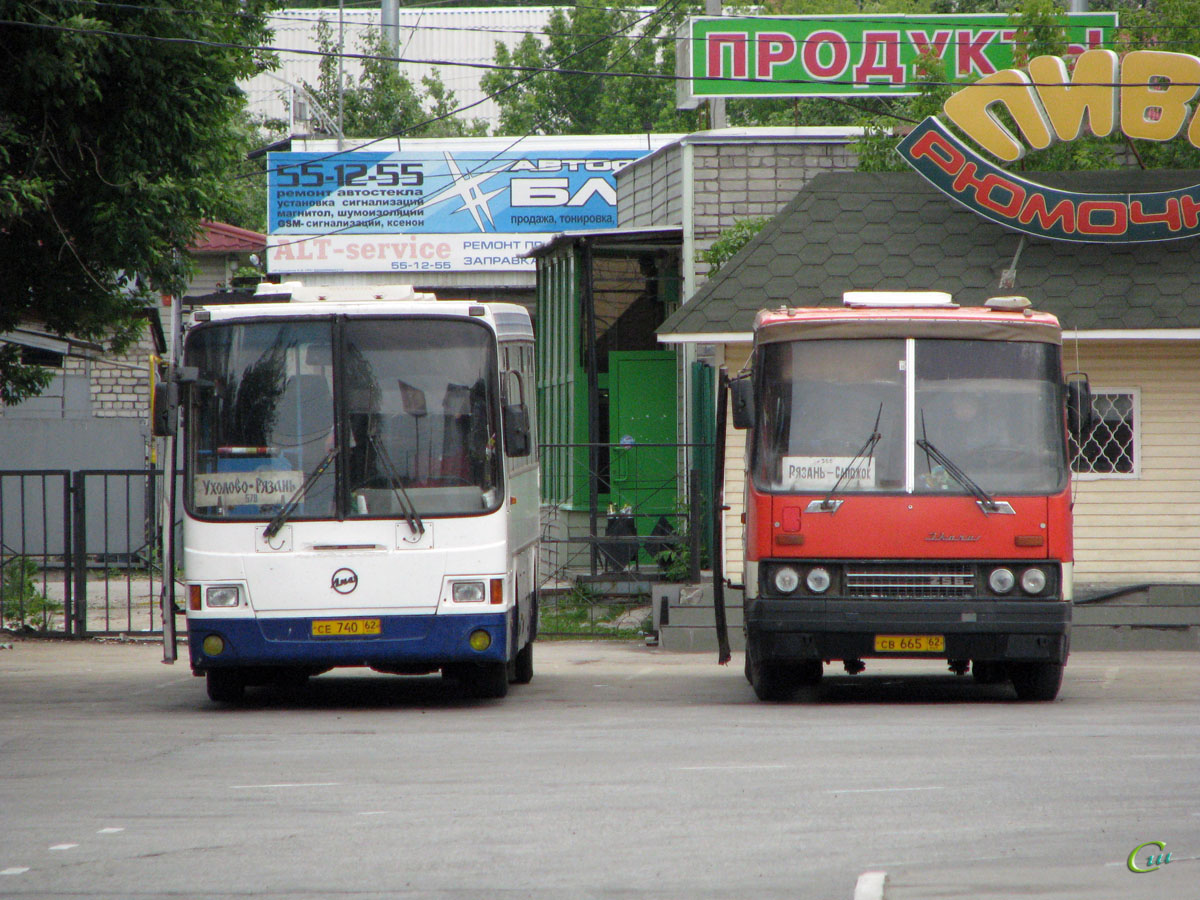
[517, 437]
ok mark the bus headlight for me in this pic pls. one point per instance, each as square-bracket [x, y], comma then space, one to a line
[818, 580]
[467, 591]
[223, 596]
[1001, 580]
[786, 579]
[1033, 581]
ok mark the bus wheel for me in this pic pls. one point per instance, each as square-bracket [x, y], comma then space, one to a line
[808, 673]
[225, 685]
[988, 672]
[523, 670]
[1036, 681]
[770, 681]
[488, 681]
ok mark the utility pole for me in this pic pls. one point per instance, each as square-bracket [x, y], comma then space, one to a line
[716, 105]
[389, 25]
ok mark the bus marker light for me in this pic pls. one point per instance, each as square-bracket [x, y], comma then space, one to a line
[1030, 540]
[479, 641]
[213, 645]
[497, 590]
[193, 596]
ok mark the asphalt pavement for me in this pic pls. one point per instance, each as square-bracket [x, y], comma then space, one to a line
[621, 771]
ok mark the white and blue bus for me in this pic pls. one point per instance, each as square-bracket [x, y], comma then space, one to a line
[361, 488]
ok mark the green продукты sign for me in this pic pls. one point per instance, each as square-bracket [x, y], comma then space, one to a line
[861, 56]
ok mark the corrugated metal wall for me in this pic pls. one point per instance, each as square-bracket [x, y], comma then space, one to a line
[462, 35]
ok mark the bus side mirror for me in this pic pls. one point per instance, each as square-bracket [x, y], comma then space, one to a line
[1079, 406]
[516, 430]
[741, 391]
[164, 409]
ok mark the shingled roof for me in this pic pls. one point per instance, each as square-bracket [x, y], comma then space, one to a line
[894, 231]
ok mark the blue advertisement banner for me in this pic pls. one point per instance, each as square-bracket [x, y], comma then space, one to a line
[444, 192]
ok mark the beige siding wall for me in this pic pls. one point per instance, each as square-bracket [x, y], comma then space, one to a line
[736, 356]
[1128, 530]
[1145, 528]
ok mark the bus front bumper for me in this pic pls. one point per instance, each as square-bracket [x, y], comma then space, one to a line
[415, 641]
[789, 630]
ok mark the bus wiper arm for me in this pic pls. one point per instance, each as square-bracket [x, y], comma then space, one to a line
[406, 505]
[293, 501]
[986, 501]
[866, 451]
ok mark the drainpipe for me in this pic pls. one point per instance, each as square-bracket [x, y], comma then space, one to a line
[687, 267]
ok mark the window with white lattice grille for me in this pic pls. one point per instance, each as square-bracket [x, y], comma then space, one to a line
[1111, 449]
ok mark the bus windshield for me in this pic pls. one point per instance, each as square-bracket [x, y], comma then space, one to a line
[857, 414]
[348, 418]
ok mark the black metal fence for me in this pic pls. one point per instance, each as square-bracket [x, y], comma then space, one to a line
[80, 552]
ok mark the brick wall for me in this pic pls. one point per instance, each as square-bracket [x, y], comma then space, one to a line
[734, 177]
[120, 384]
[738, 181]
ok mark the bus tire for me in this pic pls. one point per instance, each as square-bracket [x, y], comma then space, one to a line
[1038, 681]
[988, 671]
[770, 681]
[523, 670]
[808, 673]
[225, 685]
[488, 681]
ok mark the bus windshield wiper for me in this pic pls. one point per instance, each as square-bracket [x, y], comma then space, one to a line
[986, 502]
[293, 501]
[406, 505]
[866, 451]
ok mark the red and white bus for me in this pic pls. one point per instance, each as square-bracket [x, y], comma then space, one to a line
[908, 490]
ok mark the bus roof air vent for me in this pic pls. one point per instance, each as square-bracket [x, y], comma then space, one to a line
[1008, 304]
[898, 300]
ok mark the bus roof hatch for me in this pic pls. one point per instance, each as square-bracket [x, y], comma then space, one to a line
[898, 300]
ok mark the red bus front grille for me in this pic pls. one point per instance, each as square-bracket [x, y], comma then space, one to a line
[907, 582]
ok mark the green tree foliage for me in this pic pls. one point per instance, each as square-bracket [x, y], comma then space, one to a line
[593, 38]
[119, 125]
[382, 101]
[1039, 31]
[730, 241]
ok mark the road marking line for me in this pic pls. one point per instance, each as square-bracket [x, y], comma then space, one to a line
[870, 886]
[891, 790]
[64, 847]
[15, 870]
[374, 812]
[251, 787]
[110, 831]
[747, 768]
